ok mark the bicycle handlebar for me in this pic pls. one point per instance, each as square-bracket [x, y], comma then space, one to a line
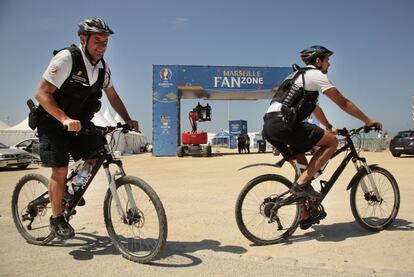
[366, 129]
[91, 129]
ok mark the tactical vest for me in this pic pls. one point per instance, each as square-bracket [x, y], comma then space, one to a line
[298, 100]
[76, 97]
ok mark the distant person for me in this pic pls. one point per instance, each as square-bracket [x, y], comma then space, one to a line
[208, 112]
[199, 110]
[240, 143]
[69, 94]
[284, 123]
[247, 143]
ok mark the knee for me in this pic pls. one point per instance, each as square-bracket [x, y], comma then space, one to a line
[59, 174]
[333, 141]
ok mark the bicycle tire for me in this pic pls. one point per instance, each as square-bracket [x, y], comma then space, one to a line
[259, 213]
[390, 200]
[119, 241]
[39, 214]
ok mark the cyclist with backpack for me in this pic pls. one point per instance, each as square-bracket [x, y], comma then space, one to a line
[295, 100]
[69, 94]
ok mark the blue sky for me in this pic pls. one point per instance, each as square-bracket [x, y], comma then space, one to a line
[373, 42]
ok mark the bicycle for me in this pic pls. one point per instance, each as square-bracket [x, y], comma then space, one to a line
[267, 213]
[134, 215]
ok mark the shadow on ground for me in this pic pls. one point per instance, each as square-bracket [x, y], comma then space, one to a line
[175, 253]
[342, 231]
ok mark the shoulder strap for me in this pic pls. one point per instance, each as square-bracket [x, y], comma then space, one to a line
[301, 71]
[71, 48]
[104, 72]
[78, 64]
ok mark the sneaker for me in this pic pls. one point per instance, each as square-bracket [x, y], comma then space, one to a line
[305, 191]
[306, 223]
[69, 197]
[61, 228]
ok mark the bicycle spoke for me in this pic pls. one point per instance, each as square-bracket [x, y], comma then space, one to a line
[257, 210]
[373, 213]
[142, 236]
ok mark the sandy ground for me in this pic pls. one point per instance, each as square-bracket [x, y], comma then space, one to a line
[199, 196]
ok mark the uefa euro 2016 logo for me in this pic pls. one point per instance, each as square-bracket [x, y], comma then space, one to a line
[165, 74]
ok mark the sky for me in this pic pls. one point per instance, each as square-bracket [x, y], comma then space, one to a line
[373, 41]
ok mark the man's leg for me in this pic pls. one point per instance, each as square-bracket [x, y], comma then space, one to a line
[58, 224]
[300, 158]
[56, 188]
[328, 144]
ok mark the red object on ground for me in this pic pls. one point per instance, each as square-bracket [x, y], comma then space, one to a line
[194, 137]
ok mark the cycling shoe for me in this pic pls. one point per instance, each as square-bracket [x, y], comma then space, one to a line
[61, 228]
[307, 223]
[305, 191]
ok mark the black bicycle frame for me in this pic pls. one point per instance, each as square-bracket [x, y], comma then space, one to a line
[352, 155]
[104, 159]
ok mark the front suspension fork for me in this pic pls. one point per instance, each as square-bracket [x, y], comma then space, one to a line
[112, 186]
[364, 186]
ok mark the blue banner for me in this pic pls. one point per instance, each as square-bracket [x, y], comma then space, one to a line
[174, 82]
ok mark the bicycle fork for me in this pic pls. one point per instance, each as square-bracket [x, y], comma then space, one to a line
[112, 186]
[364, 186]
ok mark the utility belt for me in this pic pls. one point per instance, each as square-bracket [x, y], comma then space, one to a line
[37, 113]
[287, 115]
[273, 115]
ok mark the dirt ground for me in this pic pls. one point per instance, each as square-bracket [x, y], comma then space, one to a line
[199, 196]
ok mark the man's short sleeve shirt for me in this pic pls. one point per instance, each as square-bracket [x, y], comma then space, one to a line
[60, 67]
[315, 80]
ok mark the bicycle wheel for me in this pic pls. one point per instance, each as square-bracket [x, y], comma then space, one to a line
[262, 214]
[371, 213]
[31, 209]
[139, 234]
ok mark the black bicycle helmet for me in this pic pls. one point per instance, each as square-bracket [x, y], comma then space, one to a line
[94, 25]
[310, 54]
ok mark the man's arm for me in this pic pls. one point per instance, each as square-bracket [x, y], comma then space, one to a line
[119, 107]
[44, 95]
[350, 107]
[320, 116]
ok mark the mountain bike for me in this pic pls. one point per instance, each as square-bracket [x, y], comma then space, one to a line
[268, 213]
[134, 215]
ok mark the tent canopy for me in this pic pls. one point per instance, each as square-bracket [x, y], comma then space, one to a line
[3, 125]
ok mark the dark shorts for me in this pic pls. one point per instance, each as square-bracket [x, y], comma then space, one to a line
[300, 138]
[55, 144]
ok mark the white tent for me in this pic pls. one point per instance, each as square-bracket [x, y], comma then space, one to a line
[3, 125]
[130, 143]
[118, 118]
[16, 133]
[99, 120]
[108, 116]
[23, 125]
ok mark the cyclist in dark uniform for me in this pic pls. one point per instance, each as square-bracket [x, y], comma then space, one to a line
[284, 122]
[69, 94]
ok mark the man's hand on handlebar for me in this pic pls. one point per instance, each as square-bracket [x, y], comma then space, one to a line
[133, 124]
[72, 125]
[376, 124]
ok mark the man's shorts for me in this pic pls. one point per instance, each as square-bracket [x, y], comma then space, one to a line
[55, 144]
[301, 137]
